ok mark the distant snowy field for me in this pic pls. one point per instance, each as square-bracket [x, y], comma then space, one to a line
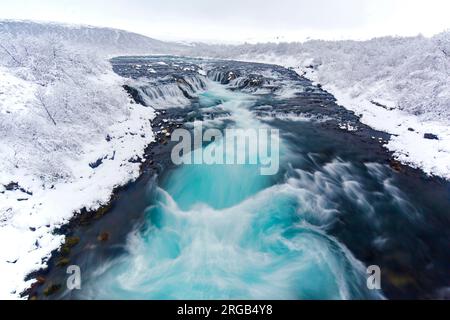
[397, 85]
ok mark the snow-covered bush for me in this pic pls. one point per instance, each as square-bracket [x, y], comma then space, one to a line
[62, 108]
[410, 74]
[73, 101]
[397, 85]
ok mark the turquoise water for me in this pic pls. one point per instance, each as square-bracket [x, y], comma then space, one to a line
[310, 231]
[226, 231]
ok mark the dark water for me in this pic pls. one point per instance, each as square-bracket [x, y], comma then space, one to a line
[225, 231]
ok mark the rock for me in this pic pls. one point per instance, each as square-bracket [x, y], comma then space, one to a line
[72, 241]
[400, 280]
[12, 186]
[62, 262]
[51, 289]
[380, 105]
[103, 210]
[40, 279]
[96, 163]
[395, 165]
[135, 95]
[430, 136]
[65, 250]
[104, 236]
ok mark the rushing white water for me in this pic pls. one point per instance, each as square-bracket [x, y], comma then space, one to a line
[170, 93]
[225, 231]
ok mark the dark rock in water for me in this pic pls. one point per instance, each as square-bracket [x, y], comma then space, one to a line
[411, 129]
[40, 279]
[395, 165]
[72, 241]
[400, 280]
[102, 211]
[63, 262]
[65, 250]
[430, 136]
[51, 289]
[67, 246]
[231, 76]
[104, 236]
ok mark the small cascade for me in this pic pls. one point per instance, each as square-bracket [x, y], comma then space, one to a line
[175, 92]
[236, 79]
[190, 86]
[224, 231]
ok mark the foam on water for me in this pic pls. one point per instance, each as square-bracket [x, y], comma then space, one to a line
[225, 231]
[259, 249]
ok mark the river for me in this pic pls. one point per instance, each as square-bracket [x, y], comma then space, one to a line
[337, 204]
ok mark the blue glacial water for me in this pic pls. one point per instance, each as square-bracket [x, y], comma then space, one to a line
[336, 205]
[226, 231]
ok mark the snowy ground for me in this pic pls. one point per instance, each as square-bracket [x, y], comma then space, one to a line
[397, 85]
[31, 210]
[68, 132]
[27, 220]
[410, 139]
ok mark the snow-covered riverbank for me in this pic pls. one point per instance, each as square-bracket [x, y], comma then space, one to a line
[397, 85]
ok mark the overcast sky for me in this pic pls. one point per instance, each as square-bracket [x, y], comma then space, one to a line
[244, 20]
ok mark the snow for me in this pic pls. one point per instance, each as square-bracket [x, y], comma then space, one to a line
[408, 141]
[348, 127]
[395, 84]
[302, 117]
[14, 102]
[103, 40]
[409, 147]
[62, 108]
